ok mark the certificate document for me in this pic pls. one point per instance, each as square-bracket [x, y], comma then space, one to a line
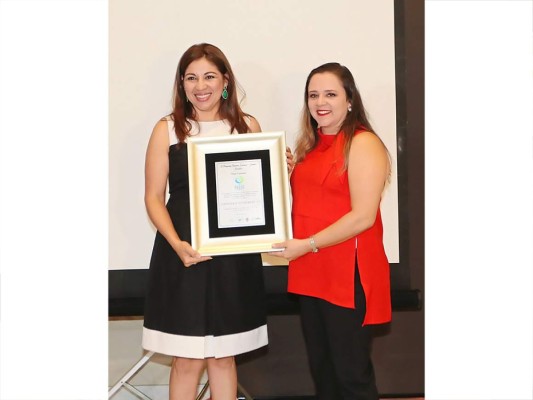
[239, 193]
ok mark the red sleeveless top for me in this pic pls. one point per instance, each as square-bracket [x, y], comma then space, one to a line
[321, 196]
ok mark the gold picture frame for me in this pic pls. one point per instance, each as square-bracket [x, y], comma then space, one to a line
[239, 193]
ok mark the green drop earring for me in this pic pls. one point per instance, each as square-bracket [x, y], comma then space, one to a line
[225, 93]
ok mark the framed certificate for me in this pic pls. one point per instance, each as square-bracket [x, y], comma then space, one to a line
[239, 193]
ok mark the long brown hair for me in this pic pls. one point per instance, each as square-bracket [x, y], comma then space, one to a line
[355, 120]
[230, 110]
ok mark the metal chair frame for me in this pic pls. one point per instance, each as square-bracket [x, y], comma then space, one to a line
[123, 382]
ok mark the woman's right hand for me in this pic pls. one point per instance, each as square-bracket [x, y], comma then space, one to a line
[290, 160]
[188, 255]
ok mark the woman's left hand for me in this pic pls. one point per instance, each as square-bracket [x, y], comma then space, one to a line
[292, 249]
[290, 160]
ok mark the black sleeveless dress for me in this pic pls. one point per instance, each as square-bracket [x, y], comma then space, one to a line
[215, 308]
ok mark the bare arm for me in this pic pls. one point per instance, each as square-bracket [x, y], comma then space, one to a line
[156, 176]
[254, 125]
[368, 169]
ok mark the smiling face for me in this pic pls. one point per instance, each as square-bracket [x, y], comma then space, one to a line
[203, 84]
[327, 102]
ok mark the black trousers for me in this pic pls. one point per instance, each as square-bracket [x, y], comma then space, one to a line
[338, 347]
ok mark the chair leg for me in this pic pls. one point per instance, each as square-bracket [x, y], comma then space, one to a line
[241, 389]
[130, 373]
[202, 392]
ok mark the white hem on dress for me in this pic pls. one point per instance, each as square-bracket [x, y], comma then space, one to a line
[201, 347]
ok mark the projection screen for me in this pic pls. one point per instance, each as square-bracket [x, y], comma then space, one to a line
[272, 46]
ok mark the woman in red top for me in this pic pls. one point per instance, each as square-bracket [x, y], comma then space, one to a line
[337, 263]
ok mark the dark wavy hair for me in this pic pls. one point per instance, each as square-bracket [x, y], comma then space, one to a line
[355, 120]
[230, 109]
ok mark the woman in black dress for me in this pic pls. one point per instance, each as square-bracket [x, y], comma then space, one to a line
[201, 310]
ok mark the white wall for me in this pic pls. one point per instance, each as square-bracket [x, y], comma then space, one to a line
[272, 46]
